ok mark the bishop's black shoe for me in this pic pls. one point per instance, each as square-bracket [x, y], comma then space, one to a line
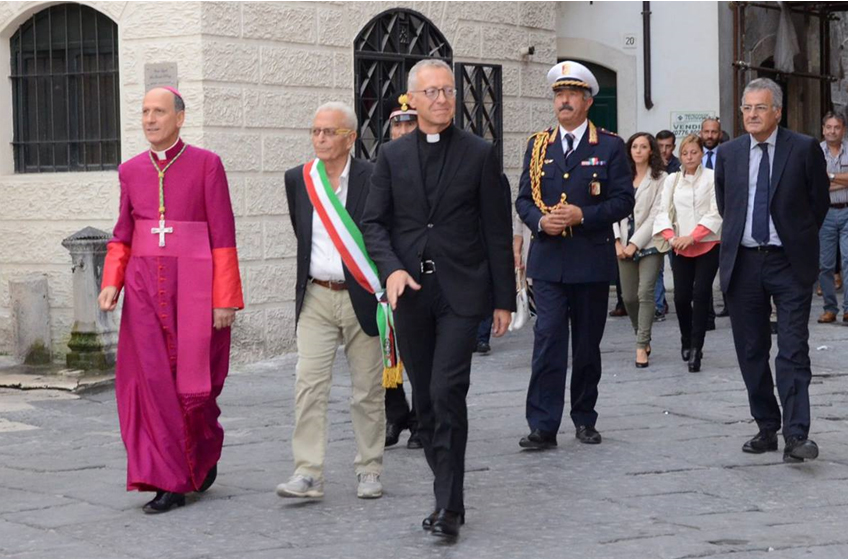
[415, 441]
[447, 524]
[164, 501]
[538, 439]
[210, 478]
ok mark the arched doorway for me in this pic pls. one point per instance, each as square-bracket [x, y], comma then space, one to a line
[384, 51]
[603, 112]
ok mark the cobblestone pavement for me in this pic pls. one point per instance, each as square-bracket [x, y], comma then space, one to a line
[668, 481]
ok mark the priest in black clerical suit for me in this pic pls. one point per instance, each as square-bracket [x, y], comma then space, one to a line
[437, 225]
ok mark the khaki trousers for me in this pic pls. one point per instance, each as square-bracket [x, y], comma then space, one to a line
[327, 319]
[638, 280]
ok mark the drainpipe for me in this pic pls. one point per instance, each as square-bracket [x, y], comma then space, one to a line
[647, 54]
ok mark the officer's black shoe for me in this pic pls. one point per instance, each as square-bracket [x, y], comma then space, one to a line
[415, 441]
[587, 434]
[799, 448]
[538, 439]
[483, 348]
[766, 440]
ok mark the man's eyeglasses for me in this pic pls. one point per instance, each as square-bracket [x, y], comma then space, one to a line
[330, 132]
[433, 93]
[759, 109]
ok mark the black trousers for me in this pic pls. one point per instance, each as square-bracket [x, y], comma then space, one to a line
[693, 277]
[398, 411]
[585, 306]
[757, 278]
[436, 345]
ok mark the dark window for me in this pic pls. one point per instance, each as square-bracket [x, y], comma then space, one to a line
[479, 109]
[65, 91]
[384, 51]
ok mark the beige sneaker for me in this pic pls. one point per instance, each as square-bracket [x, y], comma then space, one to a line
[369, 486]
[300, 486]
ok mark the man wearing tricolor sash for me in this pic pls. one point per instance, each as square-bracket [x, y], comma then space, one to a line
[337, 296]
[174, 255]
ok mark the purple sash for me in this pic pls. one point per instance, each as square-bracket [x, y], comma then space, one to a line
[190, 244]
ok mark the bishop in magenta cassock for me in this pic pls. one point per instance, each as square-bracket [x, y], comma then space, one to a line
[174, 255]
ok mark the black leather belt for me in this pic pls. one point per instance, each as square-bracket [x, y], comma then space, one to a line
[766, 248]
[428, 267]
[840, 205]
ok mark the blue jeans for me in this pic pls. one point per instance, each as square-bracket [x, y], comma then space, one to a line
[659, 288]
[485, 330]
[832, 233]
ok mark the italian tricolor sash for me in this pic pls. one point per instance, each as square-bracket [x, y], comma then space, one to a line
[348, 240]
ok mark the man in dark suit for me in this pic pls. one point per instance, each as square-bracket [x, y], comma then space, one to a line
[438, 227]
[772, 192]
[575, 183]
[331, 307]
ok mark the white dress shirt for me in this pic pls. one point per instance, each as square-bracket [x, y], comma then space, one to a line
[578, 133]
[325, 262]
[755, 154]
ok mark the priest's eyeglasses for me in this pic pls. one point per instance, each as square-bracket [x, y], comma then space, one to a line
[758, 109]
[433, 93]
[330, 132]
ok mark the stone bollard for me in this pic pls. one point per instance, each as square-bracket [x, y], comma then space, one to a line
[93, 336]
[31, 319]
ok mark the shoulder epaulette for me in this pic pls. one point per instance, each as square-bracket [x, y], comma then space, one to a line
[609, 133]
[547, 132]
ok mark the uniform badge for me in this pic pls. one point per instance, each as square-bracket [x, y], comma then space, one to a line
[595, 188]
[548, 161]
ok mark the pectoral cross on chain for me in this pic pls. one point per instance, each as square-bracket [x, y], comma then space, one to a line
[161, 230]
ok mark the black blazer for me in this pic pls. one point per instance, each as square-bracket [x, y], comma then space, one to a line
[798, 200]
[467, 233]
[301, 212]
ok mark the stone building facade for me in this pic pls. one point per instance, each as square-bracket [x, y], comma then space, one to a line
[252, 75]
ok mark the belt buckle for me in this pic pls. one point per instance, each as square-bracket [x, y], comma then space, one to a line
[427, 267]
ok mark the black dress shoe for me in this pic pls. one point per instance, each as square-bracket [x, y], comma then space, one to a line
[538, 439]
[164, 501]
[766, 440]
[587, 434]
[447, 524]
[685, 351]
[210, 478]
[711, 326]
[483, 348]
[427, 522]
[799, 448]
[415, 441]
[694, 364]
[723, 312]
[393, 433]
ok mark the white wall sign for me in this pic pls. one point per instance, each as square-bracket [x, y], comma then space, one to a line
[160, 74]
[682, 123]
[629, 40]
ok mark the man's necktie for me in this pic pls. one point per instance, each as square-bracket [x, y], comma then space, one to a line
[760, 209]
[570, 145]
[709, 163]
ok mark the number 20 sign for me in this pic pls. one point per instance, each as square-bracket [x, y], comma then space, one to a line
[629, 41]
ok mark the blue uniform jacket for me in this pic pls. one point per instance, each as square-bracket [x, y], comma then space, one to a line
[589, 254]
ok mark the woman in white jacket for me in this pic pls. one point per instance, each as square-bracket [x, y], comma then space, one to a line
[639, 256]
[689, 221]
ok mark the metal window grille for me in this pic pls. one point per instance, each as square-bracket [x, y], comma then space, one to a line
[65, 91]
[479, 107]
[384, 51]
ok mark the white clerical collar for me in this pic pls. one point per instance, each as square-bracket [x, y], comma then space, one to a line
[578, 133]
[163, 155]
[433, 138]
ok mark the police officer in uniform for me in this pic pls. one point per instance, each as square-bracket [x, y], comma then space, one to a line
[575, 183]
[399, 415]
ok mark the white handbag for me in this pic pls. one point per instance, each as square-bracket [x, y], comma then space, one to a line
[522, 314]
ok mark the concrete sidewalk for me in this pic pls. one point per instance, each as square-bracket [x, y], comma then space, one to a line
[668, 481]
